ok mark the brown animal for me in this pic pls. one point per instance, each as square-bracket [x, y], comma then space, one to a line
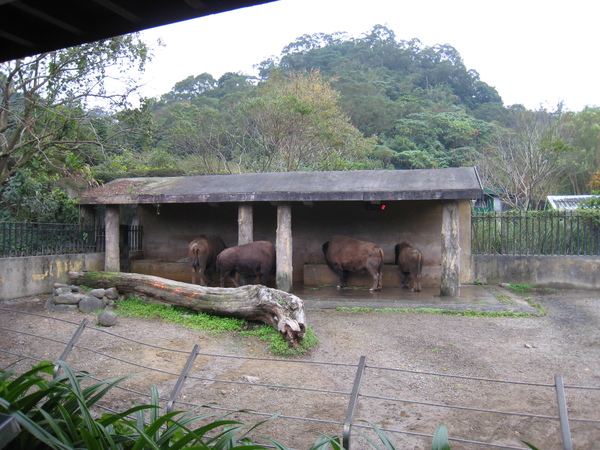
[345, 254]
[410, 263]
[203, 256]
[255, 259]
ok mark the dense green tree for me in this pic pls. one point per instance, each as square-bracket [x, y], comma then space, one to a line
[582, 131]
[448, 139]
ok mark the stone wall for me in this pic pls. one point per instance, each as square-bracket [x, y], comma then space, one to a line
[571, 272]
[34, 275]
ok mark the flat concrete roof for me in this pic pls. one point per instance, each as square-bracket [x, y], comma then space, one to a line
[358, 185]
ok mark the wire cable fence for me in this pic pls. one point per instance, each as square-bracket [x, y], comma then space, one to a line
[341, 399]
[569, 233]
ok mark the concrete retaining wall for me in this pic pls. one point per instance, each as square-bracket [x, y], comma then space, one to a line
[23, 277]
[576, 272]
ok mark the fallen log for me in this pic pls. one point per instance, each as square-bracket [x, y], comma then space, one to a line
[281, 310]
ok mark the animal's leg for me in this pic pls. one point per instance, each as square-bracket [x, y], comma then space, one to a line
[404, 280]
[417, 283]
[376, 280]
[202, 276]
[342, 275]
[233, 275]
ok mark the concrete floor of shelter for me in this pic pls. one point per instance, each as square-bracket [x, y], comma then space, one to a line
[471, 297]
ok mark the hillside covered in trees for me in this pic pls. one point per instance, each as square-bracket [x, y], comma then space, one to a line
[328, 102]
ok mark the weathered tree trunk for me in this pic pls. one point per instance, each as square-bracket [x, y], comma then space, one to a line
[281, 310]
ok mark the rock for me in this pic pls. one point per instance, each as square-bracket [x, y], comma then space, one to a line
[112, 293]
[98, 293]
[90, 304]
[251, 379]
[107, 318]
[64, 308]
[67, 299]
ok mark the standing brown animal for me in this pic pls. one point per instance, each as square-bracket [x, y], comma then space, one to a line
[345, 254]
[203, 256]
[410, 263]
[255, 259]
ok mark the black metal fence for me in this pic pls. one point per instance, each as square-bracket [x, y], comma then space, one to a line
[40, 239]
[536, 233]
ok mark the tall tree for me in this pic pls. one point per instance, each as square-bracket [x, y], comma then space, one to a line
[44, 99]
[524, 163]
[294, 123]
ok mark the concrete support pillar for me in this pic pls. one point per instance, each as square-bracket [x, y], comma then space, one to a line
[245, 224]
[112, 262]
[449, 286]
[283, 247]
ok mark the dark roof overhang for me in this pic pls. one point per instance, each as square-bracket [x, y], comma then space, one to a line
[30, 27]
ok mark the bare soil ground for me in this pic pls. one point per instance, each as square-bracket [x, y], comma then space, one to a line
[413, 360]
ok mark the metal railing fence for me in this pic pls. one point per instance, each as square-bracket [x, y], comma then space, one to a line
[19, 239]
[358, 385]
[562, 233]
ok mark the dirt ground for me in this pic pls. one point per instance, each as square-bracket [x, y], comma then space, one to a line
[419, 370]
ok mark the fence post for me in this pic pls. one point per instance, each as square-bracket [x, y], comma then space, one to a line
[182, 376]
[563, 413]
[352, 403]
[69, 346]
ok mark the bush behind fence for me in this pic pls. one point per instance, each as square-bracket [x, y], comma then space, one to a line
[42, 239]
[536, 233]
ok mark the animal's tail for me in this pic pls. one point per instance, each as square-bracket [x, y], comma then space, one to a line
[194, 259]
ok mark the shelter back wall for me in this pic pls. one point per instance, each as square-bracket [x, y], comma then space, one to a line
[168, 232]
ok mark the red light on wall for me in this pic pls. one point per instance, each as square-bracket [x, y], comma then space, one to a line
[376, 206]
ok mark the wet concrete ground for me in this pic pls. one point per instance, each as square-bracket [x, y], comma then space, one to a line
[471, 297]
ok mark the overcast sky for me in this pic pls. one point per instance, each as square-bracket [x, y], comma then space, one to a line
[533, 52]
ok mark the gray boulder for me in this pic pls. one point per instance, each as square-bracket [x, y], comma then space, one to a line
[107, 318]
[67, 299]
[112, 293]
[98, 293]
[90, 304]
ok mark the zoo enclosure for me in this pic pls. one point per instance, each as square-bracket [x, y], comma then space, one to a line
[19, 239]
[347, 400]
[562, 233]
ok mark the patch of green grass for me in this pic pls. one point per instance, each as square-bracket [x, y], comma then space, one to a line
[537, 305]
[278, 345]
[504, 299]
[518, 287]
[137, 307]
[468, 312]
